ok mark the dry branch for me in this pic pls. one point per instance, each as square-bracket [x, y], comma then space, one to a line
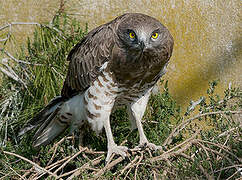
[186, 122]
[31, 162]
[71, 158]
[9, 25]
[179, 150]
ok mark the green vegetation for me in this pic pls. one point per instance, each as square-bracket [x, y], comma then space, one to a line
[189, 149]
[39, 75]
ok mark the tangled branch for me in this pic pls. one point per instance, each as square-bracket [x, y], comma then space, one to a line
[136, 158]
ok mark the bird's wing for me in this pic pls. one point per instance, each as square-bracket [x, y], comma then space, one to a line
[86, 59]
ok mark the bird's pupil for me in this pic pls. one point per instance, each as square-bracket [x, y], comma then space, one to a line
[155, 35]
[131, 35]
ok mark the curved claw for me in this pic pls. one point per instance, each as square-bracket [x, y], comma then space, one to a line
[120, 150]
[149, 145]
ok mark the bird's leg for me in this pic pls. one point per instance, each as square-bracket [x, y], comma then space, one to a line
[136, 112]
[143, 139]
[132, 119]
[112, 146]
[80, 137]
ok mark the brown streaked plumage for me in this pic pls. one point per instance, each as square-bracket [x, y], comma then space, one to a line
[117, 63]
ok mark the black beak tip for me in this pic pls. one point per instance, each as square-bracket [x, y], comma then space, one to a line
[142, 45]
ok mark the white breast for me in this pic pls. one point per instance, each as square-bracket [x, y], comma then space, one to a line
[99, 99]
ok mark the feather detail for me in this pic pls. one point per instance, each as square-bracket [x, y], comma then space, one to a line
[50, 129]
[88, 56]
[42, 115]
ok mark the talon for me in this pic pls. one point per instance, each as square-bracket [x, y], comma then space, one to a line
[151, 146]
[115, 149]
[137, 148]
[127, 159]
[143, 147]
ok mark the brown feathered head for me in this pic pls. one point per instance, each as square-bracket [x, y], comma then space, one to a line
[140, 34]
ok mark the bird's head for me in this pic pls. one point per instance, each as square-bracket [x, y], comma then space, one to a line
[140, 34]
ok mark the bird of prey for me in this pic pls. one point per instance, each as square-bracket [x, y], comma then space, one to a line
[117, 63]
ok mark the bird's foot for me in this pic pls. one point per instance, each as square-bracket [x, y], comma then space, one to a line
[115, 149]
[151, 146]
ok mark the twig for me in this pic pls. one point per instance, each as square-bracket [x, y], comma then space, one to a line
[220, 172]
[207, 154]
[219, 154]
[17, 60]
[31, 162]
[222, 155]
[205, 172]
[9, 25]
[55, 148]
[108, 166]
[222, 134]
[137, 166]
[52, 166]
[233, 175]
[18, 79]
[154, 174]
[74, 156]
[223, 148]
[59, 142]
[129, 166]
[77, 171]
[169, 153]
[7, 73]
[229, 167]
[28, 172]
[230, 130]
[165, 155]
[58, 162]
[18, 23]
[185, 122]
[15, 171]
[126, 175]
[10, 73]
[4, 177]
[90, 151]
[184, 142]
[200, 166]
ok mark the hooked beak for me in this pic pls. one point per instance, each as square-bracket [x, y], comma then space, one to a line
[142, 45]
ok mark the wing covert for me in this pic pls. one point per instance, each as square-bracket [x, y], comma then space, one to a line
[86, 59]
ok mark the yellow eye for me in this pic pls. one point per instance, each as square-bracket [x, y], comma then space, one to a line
[131, 35]
[154, 35]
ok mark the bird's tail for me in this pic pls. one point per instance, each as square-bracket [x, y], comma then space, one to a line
[50, 121]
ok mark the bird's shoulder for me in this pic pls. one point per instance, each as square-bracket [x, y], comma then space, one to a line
[87, 57]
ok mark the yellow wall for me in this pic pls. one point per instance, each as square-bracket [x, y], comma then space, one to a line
[206, 32]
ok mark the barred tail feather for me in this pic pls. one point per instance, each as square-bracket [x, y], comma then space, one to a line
[48, 121]
[42, 115]
[50, 129]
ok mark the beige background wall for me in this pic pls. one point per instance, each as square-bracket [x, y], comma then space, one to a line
[207, 34]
